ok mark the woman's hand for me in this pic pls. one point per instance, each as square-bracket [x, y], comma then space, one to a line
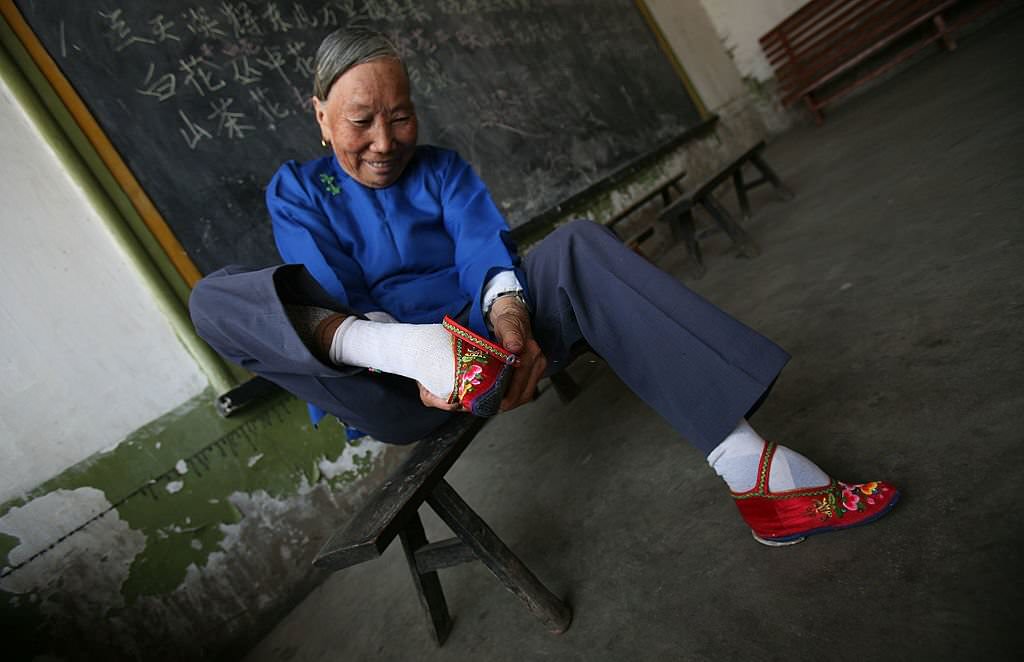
[511, 323]
[436, 401]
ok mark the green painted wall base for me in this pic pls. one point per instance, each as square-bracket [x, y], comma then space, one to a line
[184, 537]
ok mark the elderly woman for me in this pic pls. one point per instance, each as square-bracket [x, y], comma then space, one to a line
[403, 300]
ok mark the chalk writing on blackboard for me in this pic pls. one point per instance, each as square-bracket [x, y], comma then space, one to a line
[204, 99]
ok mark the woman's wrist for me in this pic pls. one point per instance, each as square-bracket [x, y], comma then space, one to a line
[507, 303]
[502, 283]
[512, 294]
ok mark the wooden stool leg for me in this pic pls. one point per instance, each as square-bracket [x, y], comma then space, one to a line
[947, 37]
[741, 191]
[745, 246]
[688, 230]
[819, 117]
[428, 584]
[516, 577]
[770, 175]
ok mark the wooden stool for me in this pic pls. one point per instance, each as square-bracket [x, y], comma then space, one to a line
[679, 215]
[393, 511]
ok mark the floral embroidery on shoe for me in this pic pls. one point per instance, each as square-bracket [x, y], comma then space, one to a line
[846, 499]
[867, 489]
[470, 370]
[850, 499]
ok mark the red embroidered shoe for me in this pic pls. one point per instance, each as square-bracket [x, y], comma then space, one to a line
[786, 518]
[482, 370]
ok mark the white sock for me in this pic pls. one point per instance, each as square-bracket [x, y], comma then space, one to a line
[418, 351]
[736, 461]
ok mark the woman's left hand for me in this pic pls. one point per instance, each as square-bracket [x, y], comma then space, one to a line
[511, 323]
[436, 401]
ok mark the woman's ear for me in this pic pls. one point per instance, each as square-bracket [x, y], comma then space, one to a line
[321, 118]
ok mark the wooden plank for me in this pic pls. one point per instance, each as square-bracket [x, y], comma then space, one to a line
[830, 48]
[443, 554]
[808, 35]
[841, 33]
[852, 36]
[876, 47]
[878, 71]
[376, 524]
[812, 63]
[824, 26]
[809, 15]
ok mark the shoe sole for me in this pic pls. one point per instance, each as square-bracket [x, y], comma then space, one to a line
[786, 541]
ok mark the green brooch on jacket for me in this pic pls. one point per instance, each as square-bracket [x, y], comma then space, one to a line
[329, 184]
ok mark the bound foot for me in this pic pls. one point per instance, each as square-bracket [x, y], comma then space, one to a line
[454, 367]
[784, 497]
[789, 516]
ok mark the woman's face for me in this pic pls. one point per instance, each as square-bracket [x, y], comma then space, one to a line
[370, 122]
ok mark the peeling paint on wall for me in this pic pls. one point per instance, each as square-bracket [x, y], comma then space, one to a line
[170, 540]
[91, 571]
[357, 456]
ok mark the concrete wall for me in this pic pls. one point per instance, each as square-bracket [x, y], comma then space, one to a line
[711, 50]
[740, 23]
[88, 357]
[689, 32]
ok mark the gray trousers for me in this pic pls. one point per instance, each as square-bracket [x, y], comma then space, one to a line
[692, 363]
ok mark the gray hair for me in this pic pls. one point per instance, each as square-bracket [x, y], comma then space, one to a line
[345, 48]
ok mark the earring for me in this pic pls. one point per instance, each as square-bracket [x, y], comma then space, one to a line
[324, 143]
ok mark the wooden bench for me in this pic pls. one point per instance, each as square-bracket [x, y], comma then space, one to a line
[679, 214]
[813, 48]
[392, 511]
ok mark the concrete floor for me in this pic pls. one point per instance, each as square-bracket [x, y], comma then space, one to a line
[895, 280]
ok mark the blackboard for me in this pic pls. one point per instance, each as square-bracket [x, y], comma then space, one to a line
[204, 99]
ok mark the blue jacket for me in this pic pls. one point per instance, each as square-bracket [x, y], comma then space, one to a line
[419, 249]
